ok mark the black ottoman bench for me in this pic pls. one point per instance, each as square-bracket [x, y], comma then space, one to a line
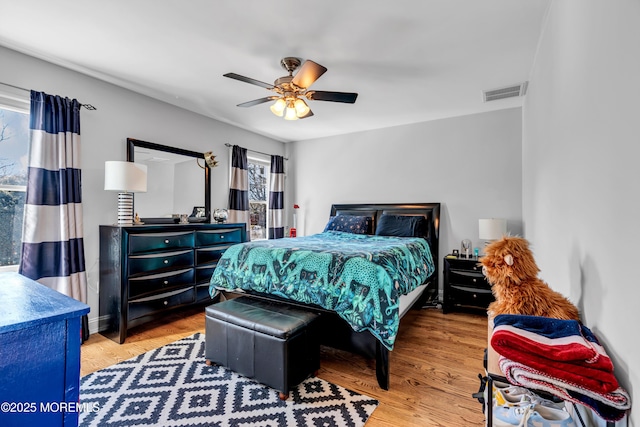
[272, 343]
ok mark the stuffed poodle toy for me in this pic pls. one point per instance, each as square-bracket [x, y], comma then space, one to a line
[509, 266]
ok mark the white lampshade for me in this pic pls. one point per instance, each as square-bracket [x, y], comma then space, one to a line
[278, 107]
[302, 109]
[125, 176]
[290, 113]
[492, 228]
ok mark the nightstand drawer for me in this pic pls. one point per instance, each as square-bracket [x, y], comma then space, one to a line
[145, 306]
[215, 237]
[472, 297]
[469, 278]
[139, 264]
[152, 242]
[464, 264]
[160, 282]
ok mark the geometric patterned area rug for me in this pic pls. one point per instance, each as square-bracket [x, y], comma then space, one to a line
[172, 386]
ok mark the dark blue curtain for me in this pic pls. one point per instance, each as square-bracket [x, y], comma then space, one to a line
[276, 198]
[52, 238]
[239, 187]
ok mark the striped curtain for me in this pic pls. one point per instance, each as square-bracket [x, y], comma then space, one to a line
[276, 198]
[239, 187]
[52, 237]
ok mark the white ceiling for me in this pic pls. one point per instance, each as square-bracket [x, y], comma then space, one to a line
[409, 60]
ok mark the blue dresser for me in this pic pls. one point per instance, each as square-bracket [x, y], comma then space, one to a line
[39, 354]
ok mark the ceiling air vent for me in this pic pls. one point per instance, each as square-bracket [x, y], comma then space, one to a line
[505, 92]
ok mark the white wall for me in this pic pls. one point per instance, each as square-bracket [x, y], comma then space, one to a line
[470, 164]
[121, 114]
[580, 169]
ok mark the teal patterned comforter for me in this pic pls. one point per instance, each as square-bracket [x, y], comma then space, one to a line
[360, 277]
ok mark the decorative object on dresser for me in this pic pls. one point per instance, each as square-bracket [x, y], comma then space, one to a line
[464, 285]
[149, 269]
[39, 354]
[209, 159]
[127, 178]
[220, 215]
[491, 229]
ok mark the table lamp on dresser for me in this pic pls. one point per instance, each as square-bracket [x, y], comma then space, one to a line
[127, 178]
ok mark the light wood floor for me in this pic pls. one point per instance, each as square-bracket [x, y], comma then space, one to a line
[434, 366]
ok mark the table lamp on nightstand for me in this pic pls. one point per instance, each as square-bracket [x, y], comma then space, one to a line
[492, 229]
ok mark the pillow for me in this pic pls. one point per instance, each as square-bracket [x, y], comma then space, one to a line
[402, 226]
[349, 224]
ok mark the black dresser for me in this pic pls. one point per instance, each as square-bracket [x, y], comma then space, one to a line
[464, 285]
[146, 270]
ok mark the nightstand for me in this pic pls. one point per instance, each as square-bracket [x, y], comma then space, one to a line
[464, 285]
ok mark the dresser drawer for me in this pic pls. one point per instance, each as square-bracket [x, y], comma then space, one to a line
[202, 293]
[153, 242]
[217, 237]
[149, 305]
[210, 255]
[160, 282]
[203, 274]
[140, 264]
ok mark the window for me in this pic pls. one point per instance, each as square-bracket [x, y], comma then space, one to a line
[258, 197]
[14, 148]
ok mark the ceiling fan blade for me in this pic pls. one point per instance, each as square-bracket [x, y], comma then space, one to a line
[257, 101]
[321, 95]
[308, 73]
[248, 80]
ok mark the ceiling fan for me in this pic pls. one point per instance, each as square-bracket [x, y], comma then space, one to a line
[291, 90]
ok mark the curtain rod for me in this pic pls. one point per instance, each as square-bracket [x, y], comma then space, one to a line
[253, 151]
[87, 106]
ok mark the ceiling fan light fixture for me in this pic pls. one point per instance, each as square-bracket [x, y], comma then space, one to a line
[278, 107]
[302, 109]
[290, 113]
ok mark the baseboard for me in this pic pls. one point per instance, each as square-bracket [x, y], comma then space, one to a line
[94, 324]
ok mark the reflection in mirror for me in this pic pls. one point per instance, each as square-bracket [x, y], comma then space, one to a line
[175, 184]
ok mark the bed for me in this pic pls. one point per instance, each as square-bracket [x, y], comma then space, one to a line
[363, 272]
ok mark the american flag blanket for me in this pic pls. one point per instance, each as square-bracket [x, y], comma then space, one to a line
[562, 357]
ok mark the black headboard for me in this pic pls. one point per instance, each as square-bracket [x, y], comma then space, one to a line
[431, 211]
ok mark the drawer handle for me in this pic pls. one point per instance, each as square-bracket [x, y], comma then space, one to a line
[475, 280]
[166, 282]
[166, 302]
[475, 296]
[166, 261]
[166, 241]
[221, 237]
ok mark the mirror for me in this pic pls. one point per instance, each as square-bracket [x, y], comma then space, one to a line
[178, 181]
